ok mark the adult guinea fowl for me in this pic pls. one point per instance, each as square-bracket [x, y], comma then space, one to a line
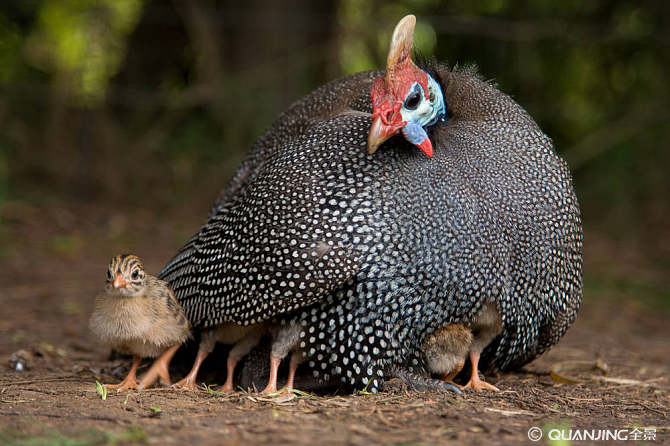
[369, 254]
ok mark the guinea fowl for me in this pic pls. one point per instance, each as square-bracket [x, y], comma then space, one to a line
[138, 314]
[370, 253]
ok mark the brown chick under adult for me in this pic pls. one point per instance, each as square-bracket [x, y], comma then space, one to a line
[138, 314]
[445, 349]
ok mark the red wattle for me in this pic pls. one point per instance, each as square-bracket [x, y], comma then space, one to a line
[427, 147]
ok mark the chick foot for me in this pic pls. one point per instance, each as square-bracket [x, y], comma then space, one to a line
[475, 382]
[159, 369]
[130, 381]
[189, 381]
[448, 377]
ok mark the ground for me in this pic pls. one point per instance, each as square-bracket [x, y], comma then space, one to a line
[53, 263]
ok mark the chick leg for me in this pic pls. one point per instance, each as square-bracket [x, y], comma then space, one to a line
[450, 375]
[239, 350]
[474, 382]
[292, 367]
[188, 382]
[206, 347]
[159, 369]
[230, 373]
[130, 381]
[274, 367]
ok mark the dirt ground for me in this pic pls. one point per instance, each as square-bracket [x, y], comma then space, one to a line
[53, 263]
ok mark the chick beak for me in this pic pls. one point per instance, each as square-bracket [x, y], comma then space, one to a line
[379, 132]
[119, 282]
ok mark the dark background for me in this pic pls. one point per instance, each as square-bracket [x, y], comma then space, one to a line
[120, 120]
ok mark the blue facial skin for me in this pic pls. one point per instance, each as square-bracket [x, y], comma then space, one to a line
[414, 133]
[425, 114]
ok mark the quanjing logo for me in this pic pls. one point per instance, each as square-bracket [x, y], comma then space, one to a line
[648, 433]
[534, 434]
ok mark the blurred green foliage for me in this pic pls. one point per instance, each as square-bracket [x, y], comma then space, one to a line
[120, 100]
[82, 43]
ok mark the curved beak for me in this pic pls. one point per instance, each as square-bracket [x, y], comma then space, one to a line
[119, 282]
[379, 132]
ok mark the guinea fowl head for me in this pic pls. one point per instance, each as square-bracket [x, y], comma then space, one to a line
[125, 275]
[407, 99]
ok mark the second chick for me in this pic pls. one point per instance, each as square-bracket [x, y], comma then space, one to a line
[445, 350]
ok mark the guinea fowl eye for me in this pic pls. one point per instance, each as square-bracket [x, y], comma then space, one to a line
[135, 275]
[412, 102]
[109, 276]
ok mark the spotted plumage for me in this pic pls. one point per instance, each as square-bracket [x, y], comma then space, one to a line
[369, 254]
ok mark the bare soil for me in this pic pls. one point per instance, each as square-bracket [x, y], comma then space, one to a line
[53, 263]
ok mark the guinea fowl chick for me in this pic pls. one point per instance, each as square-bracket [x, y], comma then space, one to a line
[445, 350]
[243, 338]
[138, 314]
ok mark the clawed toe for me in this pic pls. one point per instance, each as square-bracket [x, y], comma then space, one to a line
[186, 384]
[126, 384]
[478, 385]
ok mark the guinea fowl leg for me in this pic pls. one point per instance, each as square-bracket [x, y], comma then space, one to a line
[474, 382]
[159, 369]
[130, 381]
[272, 381]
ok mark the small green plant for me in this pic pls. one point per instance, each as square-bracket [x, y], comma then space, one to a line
[211, 391]
[365, 390]
[102, 390]
[294, 391]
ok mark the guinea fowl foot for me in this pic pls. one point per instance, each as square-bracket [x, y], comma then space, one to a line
[475, 382]
[159, 369]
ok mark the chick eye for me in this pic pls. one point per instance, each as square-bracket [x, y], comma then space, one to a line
[412, 101]
[135, 275]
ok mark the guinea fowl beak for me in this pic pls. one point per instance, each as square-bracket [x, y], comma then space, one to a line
[119, 282]
[379, 132]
